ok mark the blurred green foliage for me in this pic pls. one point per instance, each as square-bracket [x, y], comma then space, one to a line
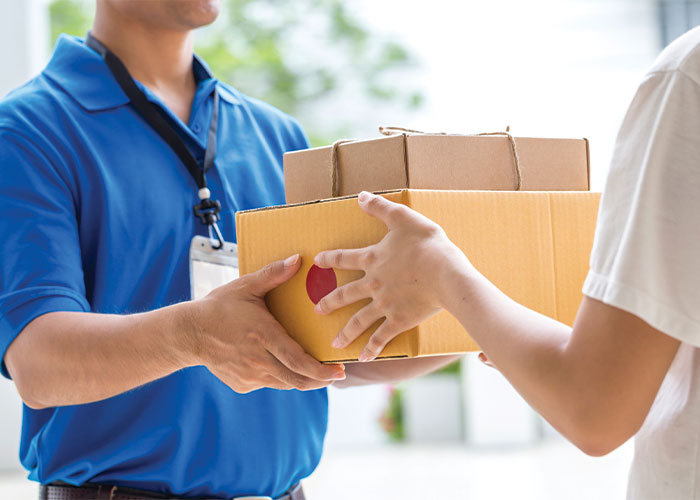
[392, 420]
[70, 16]
[299, 56]
[453, 368]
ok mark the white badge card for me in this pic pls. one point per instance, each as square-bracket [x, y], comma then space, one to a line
[211, 267]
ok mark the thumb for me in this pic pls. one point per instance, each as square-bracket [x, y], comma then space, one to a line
[274, 274]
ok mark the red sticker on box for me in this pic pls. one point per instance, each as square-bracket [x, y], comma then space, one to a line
[320, 282]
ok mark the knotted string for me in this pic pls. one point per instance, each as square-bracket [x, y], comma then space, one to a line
[506, 133]
[335, 187]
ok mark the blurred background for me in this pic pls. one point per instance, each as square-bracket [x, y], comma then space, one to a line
[556, 68]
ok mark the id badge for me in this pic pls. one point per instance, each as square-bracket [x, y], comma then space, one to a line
[211, 267]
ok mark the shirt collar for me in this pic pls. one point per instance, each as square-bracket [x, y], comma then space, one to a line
[82, 73]
[203, 75]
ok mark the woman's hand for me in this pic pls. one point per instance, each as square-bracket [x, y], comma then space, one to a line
[403, 275]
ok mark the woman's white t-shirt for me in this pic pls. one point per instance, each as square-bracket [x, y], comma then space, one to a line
[646, 259]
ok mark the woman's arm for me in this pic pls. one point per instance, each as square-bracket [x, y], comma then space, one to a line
[595, 383]
[391, 371]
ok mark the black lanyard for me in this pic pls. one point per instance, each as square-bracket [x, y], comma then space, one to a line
[207, 210]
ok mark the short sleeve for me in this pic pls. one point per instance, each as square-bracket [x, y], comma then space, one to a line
[40, 263]
[299, 138]
[646, 254]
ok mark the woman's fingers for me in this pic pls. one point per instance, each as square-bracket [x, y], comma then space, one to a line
[352, 259]
[390, 213]
[344, 296]
[386, 332]
[357, 325]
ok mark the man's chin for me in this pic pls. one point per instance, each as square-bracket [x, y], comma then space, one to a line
[198, 13]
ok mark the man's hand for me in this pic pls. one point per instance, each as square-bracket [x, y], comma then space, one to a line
[244, 346]
[402, 275]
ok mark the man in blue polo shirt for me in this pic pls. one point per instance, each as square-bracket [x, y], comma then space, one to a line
[131, 388]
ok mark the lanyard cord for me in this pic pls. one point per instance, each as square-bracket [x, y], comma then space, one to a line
[207, 210]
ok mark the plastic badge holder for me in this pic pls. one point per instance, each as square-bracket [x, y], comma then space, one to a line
[210, 267]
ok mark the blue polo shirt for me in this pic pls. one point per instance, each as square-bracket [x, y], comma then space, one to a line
[96, 215]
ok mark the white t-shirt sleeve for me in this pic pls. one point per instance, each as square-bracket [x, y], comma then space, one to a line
[646, 255]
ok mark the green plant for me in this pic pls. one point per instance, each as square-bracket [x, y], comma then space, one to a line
[392, 418]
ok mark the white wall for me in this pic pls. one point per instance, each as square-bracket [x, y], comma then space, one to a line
[24, 49]
[24, 41]
[558, 68]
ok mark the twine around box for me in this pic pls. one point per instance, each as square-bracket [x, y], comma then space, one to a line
[388, 131]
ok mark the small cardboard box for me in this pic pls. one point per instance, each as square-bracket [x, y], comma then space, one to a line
[437, 161]
[533, 245]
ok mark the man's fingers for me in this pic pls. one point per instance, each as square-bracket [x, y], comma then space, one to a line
[357, 325]
[378, 341]
[291, 355]
[484, 359]
[287, 378]
[388, 212]
[272, 382]
[343, 296]
[267, 381]
[352, 259]
[273, 275]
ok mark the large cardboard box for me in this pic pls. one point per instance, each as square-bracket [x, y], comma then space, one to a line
[533, 245]
[437, 161]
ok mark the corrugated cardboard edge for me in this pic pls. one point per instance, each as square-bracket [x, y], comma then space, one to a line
[588, 162]
[380, 358]
[313, 202]
[388, 191]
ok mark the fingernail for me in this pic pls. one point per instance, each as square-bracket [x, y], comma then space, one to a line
[337, 343]
[339, 376]
[363, 196]
[290, 261]
[364, 357]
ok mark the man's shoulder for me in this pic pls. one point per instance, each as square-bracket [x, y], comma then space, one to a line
[269, 118]
[23, 109]
[681, 55]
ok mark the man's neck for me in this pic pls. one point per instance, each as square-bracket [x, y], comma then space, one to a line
[160, 59]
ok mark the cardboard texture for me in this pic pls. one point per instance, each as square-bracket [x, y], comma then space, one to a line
[533, 245]
[429, 161]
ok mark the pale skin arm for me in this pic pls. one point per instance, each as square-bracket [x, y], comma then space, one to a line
[594, 382]
[391, 371]
[68, 358]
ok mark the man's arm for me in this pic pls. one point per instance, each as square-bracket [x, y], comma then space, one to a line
[390, 371]
[68, 358]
